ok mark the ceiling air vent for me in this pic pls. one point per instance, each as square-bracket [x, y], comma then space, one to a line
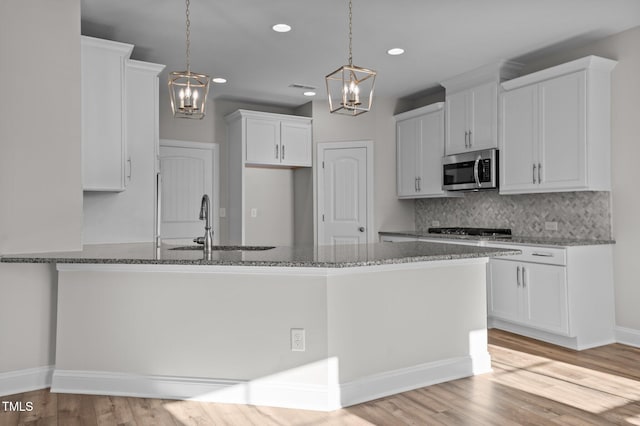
[302, 86]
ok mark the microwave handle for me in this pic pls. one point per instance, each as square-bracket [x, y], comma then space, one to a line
[475, 171]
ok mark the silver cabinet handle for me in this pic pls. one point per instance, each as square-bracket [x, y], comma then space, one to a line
[361, 229]
[518, 276]
[469, 138]
[539, 171]
[524, 277]
[276, 151]
[542, 254]
[283, 152]
[130, 168]
[415, 184]
[534, 173]
[466, 135]
[419, 184]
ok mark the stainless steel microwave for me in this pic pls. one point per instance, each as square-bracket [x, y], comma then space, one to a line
[470, 171]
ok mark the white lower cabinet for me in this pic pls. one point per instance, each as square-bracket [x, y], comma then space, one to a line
[531, 294]
[561, 295]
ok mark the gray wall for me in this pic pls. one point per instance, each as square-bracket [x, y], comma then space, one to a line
[40, 170]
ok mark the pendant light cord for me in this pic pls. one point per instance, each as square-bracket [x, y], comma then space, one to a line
[188, 39]
[350, 35]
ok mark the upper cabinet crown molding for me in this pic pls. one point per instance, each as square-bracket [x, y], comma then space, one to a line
[124, 49]
[595, 63]
[502, 70]
[419, 111]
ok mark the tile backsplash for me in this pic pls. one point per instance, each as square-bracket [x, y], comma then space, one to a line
[582, 214]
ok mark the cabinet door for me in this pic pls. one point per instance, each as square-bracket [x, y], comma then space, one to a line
[457, 123]
[545, 301]
[483, 117]
[430, 152]
[519, 140]
[103, 141]
[562, 127]
[295, 144]
[407, 139]
[504, 290]
[263, 141]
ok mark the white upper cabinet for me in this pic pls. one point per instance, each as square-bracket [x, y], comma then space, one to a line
[275, 139]
[472, 108]
[104, 150]
[555, 129]
[419, 151]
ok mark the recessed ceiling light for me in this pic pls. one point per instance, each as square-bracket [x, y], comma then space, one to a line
[281, 28]
[219, 80]
[309, 93]
[395, 51]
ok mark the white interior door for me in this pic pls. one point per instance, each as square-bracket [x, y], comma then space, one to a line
[188, 171]
[344, 194]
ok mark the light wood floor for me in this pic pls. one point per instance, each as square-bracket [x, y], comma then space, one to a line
[533, 383]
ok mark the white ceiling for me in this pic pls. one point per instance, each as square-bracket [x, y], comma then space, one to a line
[442, 38]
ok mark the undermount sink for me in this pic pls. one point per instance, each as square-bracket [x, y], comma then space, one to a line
[225, 248]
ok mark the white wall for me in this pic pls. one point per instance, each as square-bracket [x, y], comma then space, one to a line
[40, 171]
[40, 168]
[377, 125]
[625, 110]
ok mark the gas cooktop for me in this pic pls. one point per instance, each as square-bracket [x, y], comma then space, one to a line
[484, 232]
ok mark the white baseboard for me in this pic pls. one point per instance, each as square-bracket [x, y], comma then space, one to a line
[405, 379]
[628, 336]
[266, 392]
[27, 380]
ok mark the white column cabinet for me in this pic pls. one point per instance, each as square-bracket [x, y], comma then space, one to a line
[104, 149]
[555, 129]
[419, 151]
[277, 140]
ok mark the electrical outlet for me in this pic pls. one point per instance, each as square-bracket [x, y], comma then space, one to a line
[435, 223]
[222, 212]
[254, 212]
[297, 340]
[551, 226]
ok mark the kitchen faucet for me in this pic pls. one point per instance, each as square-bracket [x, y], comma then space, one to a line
[207, 240]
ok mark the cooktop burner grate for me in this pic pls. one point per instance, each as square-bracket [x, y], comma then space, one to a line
[484, 232]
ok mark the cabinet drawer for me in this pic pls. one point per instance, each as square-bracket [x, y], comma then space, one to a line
[546, 255]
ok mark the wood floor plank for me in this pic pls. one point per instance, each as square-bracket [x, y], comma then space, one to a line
[151, 412]
[532, 383]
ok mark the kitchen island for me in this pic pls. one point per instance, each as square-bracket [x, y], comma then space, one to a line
[301, 327]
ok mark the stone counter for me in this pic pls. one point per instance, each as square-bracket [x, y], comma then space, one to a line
[296, 256]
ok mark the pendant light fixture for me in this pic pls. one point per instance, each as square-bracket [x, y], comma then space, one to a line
[350, 88]
[188, 91]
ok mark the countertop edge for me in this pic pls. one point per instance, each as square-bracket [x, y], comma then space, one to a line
[515, 240]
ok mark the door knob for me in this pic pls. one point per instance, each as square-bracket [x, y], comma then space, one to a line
[361, 229]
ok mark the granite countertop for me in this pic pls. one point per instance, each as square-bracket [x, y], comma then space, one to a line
[514, 239]
[283, 256]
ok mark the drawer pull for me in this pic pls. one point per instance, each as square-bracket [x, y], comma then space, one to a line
[542, 254]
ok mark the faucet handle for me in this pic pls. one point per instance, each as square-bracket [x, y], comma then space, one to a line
[199, 240]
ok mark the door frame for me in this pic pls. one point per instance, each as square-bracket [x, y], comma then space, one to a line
[321, 147]
[215, 176]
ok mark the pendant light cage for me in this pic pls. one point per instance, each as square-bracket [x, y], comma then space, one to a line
[350, 88]
[188, 91]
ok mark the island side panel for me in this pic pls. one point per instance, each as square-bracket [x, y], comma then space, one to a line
[406, 328]
[198, 325]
